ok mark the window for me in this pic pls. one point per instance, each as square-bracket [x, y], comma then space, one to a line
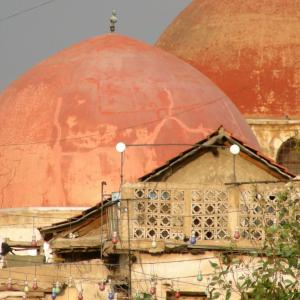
[289, 155]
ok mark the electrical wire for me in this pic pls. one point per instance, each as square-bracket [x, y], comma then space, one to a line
[147, 199]
[144, 263]
[189, 108]
[21, 12]
[159, 278]
[63, 274]
[142, 199]
[151, 263]
[95, 280]
[136, 219]
[131, 219]
[77, 265]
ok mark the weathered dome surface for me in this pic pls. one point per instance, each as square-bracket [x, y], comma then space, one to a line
[60, 121]
[249, 48]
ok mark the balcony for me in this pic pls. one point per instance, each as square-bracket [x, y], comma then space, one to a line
[166, 215]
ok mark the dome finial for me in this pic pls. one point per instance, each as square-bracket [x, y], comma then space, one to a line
[113, 21]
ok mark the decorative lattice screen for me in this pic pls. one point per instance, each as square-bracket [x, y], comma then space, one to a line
[258, 210]
[210, 214]
[164, 213]
[158, 213]
[173, 211]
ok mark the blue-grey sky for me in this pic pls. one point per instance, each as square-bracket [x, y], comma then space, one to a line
[31, 36]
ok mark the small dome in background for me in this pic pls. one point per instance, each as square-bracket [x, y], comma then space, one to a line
[61, 121]
[249, 48]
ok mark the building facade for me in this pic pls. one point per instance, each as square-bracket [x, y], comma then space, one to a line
[159, 237]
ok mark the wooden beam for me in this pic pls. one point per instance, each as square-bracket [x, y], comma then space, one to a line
[81, 242]
[8, 294]
[23, 260]
[22, 244]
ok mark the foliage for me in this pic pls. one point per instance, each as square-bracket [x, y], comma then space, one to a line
[297, 146]
[272, 272]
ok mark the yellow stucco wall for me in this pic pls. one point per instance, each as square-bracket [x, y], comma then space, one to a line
[85, 275]
[174, 271]
[212, 169]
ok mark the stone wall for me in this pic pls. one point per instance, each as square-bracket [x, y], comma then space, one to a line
[272, 133]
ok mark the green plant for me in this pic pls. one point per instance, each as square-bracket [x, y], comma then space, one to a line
[273, 272]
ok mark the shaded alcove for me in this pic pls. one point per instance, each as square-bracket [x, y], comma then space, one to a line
[289, 155]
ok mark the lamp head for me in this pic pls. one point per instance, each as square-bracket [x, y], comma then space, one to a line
[234, 149]
[120, 147]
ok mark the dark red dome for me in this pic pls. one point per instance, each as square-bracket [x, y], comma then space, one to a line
[60, 122]
[249, 48]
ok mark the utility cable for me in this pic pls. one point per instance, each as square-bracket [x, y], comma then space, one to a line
[59, 275]
[21, 12]
[189, 108]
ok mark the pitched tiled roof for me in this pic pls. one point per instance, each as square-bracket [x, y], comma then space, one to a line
[214, 140]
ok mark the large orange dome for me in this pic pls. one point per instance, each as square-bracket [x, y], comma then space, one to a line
[60, 122]
[249, 48]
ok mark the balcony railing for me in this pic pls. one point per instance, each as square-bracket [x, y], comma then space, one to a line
[214, 213]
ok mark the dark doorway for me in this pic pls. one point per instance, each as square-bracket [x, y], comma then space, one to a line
[187, 296]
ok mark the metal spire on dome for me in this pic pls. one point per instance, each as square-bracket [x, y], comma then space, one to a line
[113, 20]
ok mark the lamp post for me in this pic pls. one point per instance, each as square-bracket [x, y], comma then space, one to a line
[121, 147]
[234, 150]
[103, 184]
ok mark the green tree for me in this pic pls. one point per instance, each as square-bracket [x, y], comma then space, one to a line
[273, 271]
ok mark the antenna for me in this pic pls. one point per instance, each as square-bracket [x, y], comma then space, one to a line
[113, 20]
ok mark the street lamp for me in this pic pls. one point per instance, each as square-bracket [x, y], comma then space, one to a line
[234, 150]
